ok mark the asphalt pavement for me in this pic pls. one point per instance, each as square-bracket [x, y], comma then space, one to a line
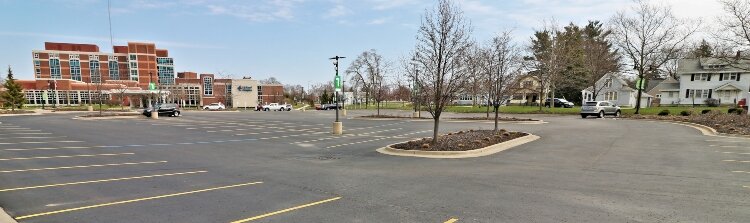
[287, 167]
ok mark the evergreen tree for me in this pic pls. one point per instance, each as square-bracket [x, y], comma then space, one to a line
[13, 94]
[703, 50]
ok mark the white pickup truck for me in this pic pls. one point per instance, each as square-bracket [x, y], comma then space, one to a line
[277, 107]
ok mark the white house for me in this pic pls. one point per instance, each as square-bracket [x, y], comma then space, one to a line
[726, 80]
[614, 89]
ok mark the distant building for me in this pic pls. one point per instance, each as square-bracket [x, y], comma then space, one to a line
[615, 90]
[726, 80]
[78, 74]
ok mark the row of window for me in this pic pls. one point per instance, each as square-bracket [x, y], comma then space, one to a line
[722, 77]
[78, 56]
[698, 93]
[610, 96]
[36, 97]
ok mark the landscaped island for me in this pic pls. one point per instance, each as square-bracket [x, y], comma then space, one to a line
[461, 141]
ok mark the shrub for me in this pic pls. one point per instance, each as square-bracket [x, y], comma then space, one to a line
[712, 102]
[686, 113]
[705, 111]
[737, 111]
[664, 113]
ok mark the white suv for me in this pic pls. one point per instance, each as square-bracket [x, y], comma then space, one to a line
[599, 109]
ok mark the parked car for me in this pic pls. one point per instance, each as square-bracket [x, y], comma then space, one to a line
[214, 106]
[559, 102]
[331, 106]
[277, 107]
[599, 109]
[168, 109]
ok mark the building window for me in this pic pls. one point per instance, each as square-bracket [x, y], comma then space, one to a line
[37, 63]
[698, 93]
[610, 96]
[703, 77]
[527, 84]
[114, 70]
[54, 69]
[96, 75]
[658, 95]
[36, 55]
[166, 74]
[74, 57]
[260, 90]
[54, 55]
[134, 75]
[75, 70]
[38, 72]
[133, 65]
[608, 83]
[208, 86]
[729, 77]
[133, 57]
[671, 94]
[93, 57]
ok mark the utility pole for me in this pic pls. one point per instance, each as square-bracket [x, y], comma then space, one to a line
[338, 127]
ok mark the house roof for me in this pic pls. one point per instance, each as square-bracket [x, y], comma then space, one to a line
[728, 87]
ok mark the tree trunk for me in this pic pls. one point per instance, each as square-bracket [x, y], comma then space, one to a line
[378, 108]
[367, 99]
[435, 130]
[497, 110]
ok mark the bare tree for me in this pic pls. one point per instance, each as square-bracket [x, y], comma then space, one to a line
[650, 38]
[370, 68]
[270, 80]
[442, 41]
[503, 65]
[475, 75]
[548, 60]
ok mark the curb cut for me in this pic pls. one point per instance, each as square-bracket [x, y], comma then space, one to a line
[5, 218]
[486, 151]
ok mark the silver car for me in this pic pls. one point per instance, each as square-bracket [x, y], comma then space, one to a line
[599, 109]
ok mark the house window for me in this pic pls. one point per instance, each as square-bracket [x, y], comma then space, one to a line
[608, 83]
[527, 84]
[610, 96]
[75, 70]
[208, 86]
[658, 95]
[37, 63]
[698, 93]
[36, 55]
[703, 77]
[114, 70]
[729, 77]
[96, 75]
[54, 68]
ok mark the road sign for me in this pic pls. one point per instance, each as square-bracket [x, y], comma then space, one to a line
[152, 86]
[337, 83]
[640, 84]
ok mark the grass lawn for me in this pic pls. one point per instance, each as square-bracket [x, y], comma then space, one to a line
[515, 110]
[383, 105]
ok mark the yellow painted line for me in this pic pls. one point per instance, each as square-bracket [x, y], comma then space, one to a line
[52, 157]
[285, 210]
[100, 181]
[452, 220]
[76, 167]
[133, 200]
[739, 161]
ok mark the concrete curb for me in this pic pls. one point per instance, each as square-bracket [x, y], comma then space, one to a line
[706, 130]
[389, 150]
[5, 217]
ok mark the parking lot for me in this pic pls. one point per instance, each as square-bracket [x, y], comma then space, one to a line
[287, 167]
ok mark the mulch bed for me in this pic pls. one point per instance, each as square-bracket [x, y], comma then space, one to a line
[461, 141]
[722, 122]
[15, 112]
[110, 115]
[503, 119]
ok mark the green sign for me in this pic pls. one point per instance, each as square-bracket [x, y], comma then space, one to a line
[152, 86]
[337, 83]
[640, 84]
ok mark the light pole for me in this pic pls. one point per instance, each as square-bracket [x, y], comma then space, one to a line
[337, 125]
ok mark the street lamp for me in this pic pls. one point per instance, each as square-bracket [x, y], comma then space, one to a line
[337, 125]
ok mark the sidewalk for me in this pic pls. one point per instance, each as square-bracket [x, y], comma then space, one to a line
[5, 218]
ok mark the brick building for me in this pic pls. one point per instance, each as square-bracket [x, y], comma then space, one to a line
[77, 74]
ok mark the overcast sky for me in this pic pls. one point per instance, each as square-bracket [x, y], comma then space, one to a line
[287, 39]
